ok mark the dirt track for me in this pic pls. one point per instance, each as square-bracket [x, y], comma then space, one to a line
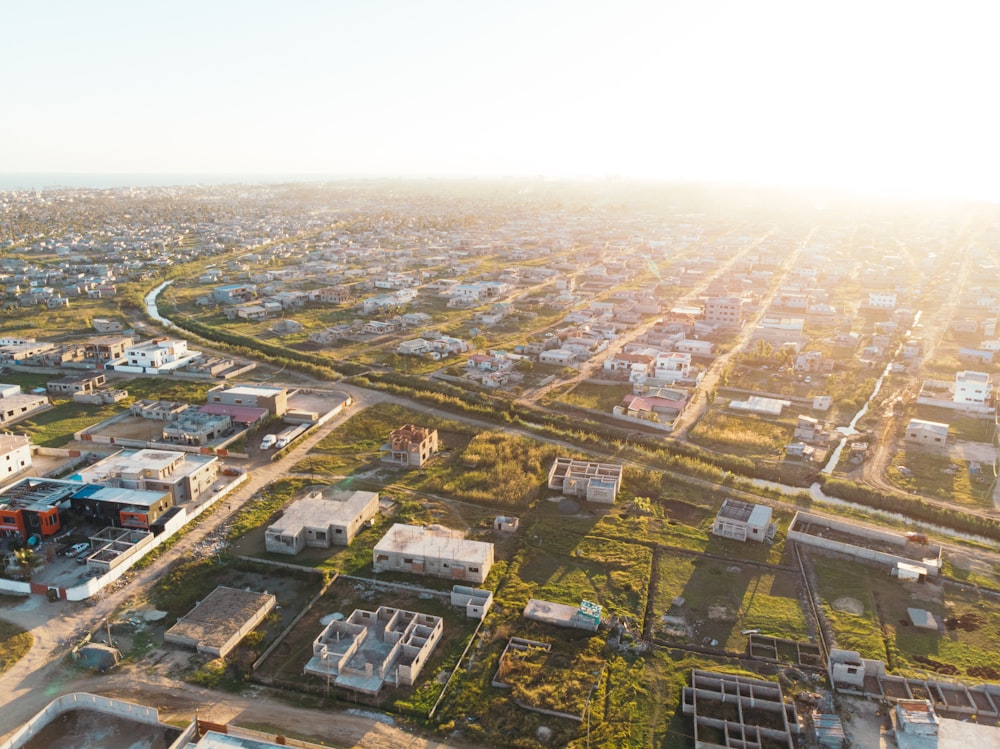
[41, 676]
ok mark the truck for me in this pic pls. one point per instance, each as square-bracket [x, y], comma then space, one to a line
[287, 436]
[268, 442]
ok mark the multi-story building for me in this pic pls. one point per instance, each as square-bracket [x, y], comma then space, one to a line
[724, 310]
[185, 477]
[973, 387]
[410, 446]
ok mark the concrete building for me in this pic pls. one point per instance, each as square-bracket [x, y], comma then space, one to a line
[217, 624]
[726, 311]
[932, 433]
[586, 616]
[321, 520]
[193, 427]
[881, 300]
[15, 454]
[476, 601]
[433, 550]
[373, 648]
[973, 388]
[156, 355]
[274, 399]
[234, 292]
[103, 349]
[186, 477]
[742, 521]
[76, 383]
[410, 446]
[15, 405]
[736, 712]
[595, 482]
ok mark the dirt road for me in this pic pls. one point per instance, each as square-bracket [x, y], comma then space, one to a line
[42, 675]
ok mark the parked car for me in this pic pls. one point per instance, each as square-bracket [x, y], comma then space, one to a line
[268, 442]
[78, 549]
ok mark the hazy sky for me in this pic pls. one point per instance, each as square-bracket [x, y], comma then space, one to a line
[877, 95]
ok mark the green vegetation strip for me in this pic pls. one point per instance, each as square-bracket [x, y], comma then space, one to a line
[14, 644]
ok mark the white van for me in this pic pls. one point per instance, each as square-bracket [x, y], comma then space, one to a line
[268, 442]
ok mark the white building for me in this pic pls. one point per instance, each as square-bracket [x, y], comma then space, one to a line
[973, 387]
[156, 355]
[15, 454]
[743, 521]
[882, 299]
[926, 432]
[433, 550]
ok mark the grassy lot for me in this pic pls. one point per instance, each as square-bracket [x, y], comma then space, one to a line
[720, 599]
[14, 644]
[55, 427]
[494, 468]
[356, 442]
[842, 586]
[937, 475]
[746, 436]
[966, 646]
[590, 395]
[962, 427]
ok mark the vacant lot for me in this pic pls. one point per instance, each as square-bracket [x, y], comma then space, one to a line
[867, 611]
[936, 474]
[701, 599]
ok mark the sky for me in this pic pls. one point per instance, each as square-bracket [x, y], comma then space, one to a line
[879, 96]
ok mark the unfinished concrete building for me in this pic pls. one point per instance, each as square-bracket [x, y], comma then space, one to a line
[218, 623]
[595, 482]
[321, 520]
[742, 521]
[410, 446]
[372, 648]
[433, 550]
[736, 712]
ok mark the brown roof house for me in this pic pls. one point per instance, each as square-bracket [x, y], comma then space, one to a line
[410, 446]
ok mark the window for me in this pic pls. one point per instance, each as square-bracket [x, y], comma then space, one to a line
[407, 560]
[339, 530]
[473, 569]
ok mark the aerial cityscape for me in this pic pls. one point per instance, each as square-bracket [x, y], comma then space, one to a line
[548, 374]
[428, 463]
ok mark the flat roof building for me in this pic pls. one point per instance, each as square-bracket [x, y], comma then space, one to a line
[217, 624]
[274, 399]
[186, 477]
[743, 521]
[321, 520]
[586, 616]
[433, 550]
